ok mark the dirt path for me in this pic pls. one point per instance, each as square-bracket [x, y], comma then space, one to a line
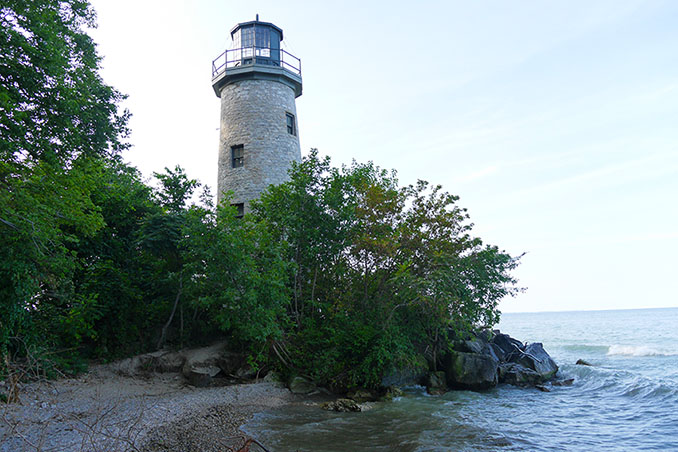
[102, 411]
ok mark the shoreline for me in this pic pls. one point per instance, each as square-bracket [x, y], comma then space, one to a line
[102, 410]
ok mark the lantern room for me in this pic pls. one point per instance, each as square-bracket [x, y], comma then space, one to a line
[257, 42]
[256, 54]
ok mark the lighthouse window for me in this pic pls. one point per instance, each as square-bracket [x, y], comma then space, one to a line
[240, 209]
[247, 42]
[237, 155]
[291, 129]
[263, 41]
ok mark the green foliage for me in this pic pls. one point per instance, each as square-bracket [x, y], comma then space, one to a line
[113, 270]
[175, 188]
[379, 273]
[237, 275]
[58, 120]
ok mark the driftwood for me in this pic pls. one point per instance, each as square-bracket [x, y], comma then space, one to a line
[246, 446]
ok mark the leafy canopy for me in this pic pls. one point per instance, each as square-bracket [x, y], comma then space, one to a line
[59, 126]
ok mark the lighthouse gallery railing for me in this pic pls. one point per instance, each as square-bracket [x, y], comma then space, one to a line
[246, 56]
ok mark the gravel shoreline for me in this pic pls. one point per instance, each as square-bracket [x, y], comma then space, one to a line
[103, 411]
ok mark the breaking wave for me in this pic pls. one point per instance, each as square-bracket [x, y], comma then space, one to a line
[632, 350]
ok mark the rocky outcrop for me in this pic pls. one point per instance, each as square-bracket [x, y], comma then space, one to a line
[199, 366]
[486, 358]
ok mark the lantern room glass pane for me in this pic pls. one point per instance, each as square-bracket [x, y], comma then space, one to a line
[263, 41]
[247, 42]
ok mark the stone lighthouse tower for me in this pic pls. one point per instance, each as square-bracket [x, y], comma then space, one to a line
[258, 83]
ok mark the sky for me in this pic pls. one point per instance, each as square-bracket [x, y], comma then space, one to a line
[555, 122]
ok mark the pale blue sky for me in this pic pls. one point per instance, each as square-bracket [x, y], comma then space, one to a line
[556, 122]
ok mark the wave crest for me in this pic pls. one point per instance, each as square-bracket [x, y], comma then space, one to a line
[633, 350]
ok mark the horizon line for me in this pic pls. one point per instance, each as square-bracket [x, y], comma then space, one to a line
[588, 310]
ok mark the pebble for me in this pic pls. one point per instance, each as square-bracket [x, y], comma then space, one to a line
[162, 416]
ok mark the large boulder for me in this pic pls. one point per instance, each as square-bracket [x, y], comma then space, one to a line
[470, 346]
[435, 383]
[507, 346]
[301, 385]
[160, 361]
[470, 370]
[518, 375]
[535, 357]
[203, 364]
[200, 376]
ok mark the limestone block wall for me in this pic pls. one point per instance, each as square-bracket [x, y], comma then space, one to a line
[253, 114]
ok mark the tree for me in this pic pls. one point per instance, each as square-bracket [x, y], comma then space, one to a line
[237, 276]
[59, 124]
[161, 237]
[379, 273]
[113, 271]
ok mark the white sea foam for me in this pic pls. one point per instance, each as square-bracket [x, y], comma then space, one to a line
[633, 350]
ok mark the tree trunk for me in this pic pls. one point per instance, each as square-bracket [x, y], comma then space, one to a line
[163, 334]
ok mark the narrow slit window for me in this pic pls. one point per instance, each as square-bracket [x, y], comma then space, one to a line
[237, 156]
[291, 126]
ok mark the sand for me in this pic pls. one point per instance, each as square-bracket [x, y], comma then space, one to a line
[104, 411]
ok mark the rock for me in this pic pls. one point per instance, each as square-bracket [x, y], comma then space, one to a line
[470, 371]
[485, 335]
[363, 395]
[469, 346]
[581, 362]
[542, 388]
[200, 377]
[567, 382]
[160, 361]
[301, 385]
[272, 377]
[203, 364]
[246, 372]
[163, 361]
[508, 346]
[535, 357]
[435, 383]
[405, 375]
[391, 393]
[342, 406]
[235, 364]
[518, 375]
[493, 351]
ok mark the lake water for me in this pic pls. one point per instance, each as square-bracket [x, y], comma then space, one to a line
[626, 401]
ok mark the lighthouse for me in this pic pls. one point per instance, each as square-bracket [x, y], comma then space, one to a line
[258, 83]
